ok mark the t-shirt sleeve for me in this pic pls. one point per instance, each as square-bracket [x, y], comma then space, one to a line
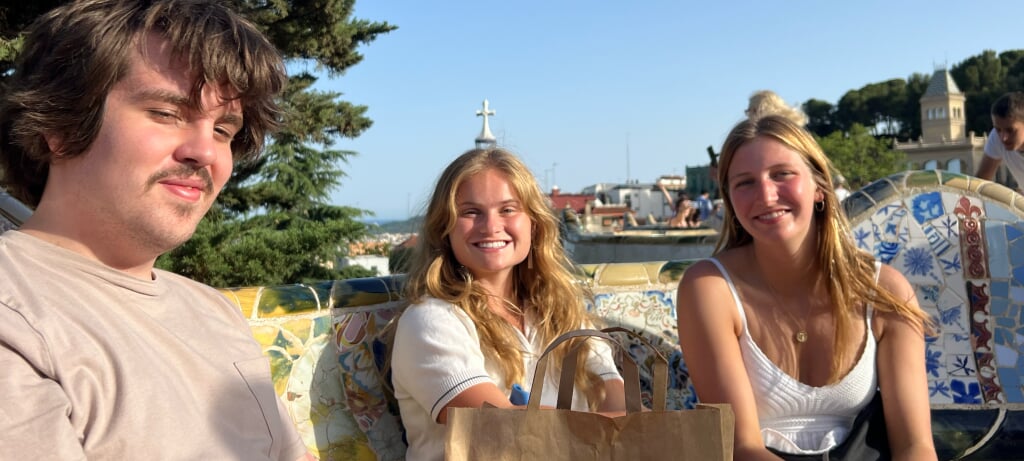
[994, 147]
[34, 408]
[436, 354]
[601, 360]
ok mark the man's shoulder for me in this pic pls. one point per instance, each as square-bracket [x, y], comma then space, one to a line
[177, 279]
[993, 146]
[184, 286]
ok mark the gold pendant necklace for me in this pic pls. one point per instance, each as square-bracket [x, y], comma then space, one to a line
[801, 334]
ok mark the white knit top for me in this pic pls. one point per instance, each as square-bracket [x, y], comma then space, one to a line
[797, 418]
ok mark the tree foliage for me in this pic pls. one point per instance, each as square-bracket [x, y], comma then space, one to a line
[887, 109]
[820, 116]
[857, 131]
[861, 157]
[985, 77]
[892, 108]
[272, 224]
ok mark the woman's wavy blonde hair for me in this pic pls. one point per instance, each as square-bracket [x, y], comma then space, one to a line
[548, 290]
[849, 271]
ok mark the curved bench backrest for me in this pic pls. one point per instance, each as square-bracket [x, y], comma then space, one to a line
[957, 239]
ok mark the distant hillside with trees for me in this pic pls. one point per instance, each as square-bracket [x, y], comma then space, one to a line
[406, 226]
[890, 109]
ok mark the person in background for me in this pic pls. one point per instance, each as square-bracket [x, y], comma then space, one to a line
[490, 286]
[841, 191]
[704, 206]
[120, 125]
[1006, 141]
[686, 213]
[789, 322]
[767, 102]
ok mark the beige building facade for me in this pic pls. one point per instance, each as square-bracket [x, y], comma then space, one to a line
[945, 143]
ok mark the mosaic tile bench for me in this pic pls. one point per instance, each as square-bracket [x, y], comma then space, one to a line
[958, 239]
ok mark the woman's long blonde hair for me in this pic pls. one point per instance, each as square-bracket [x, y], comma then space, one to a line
[848, 271]
[545, 287]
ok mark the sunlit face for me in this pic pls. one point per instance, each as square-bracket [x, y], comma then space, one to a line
[155, 166]
[1010, 132]
[772, 191]
[492, 228]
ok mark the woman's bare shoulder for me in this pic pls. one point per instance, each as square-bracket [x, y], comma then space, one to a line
[705, 267]
[895, 282]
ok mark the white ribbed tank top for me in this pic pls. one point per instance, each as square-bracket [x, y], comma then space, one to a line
[797, 418]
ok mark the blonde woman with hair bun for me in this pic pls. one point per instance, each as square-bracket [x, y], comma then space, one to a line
[803, 333]
[767, 102]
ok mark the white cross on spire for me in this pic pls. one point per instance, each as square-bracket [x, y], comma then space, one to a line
[486, 139]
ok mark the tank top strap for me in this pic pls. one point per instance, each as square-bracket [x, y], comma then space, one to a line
[871, 308]
[732, 288]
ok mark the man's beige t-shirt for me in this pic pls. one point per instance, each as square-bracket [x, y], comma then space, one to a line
[96, 364]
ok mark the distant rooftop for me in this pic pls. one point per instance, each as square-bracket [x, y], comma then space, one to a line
[942, 83]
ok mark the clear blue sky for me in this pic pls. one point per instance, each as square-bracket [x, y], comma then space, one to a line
[576, 82]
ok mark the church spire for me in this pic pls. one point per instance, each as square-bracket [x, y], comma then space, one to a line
[486, 139]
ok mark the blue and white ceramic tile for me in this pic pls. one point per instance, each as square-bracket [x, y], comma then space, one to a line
[917, 231]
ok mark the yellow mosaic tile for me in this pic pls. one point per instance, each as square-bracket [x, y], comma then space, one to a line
[288, 300]
[920, 179]
[302, 328]
[962, 183]
[245, 298]
[1018, 203]
[998, 193]
[672, 271]
[588, 271]
[621, 274]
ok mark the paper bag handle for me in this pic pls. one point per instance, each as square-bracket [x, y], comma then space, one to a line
[631, 375]
[659, 370]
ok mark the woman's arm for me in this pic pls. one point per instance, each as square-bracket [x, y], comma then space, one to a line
[709, 328]
[476, 397]
[902, 376]
[614, 403]
[614, 397]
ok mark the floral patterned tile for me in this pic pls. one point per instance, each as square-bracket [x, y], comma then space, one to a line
[942, 235]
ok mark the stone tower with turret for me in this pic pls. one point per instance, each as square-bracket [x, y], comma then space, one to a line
[942, 110]
[944, 143]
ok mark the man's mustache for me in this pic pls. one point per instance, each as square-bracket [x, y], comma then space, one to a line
[185, 172]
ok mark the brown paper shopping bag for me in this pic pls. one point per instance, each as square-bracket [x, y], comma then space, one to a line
[533, 433]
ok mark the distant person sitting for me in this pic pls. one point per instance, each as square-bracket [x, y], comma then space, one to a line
[1006, 141]
[685, 211]
[767, 102]
[841, 191]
